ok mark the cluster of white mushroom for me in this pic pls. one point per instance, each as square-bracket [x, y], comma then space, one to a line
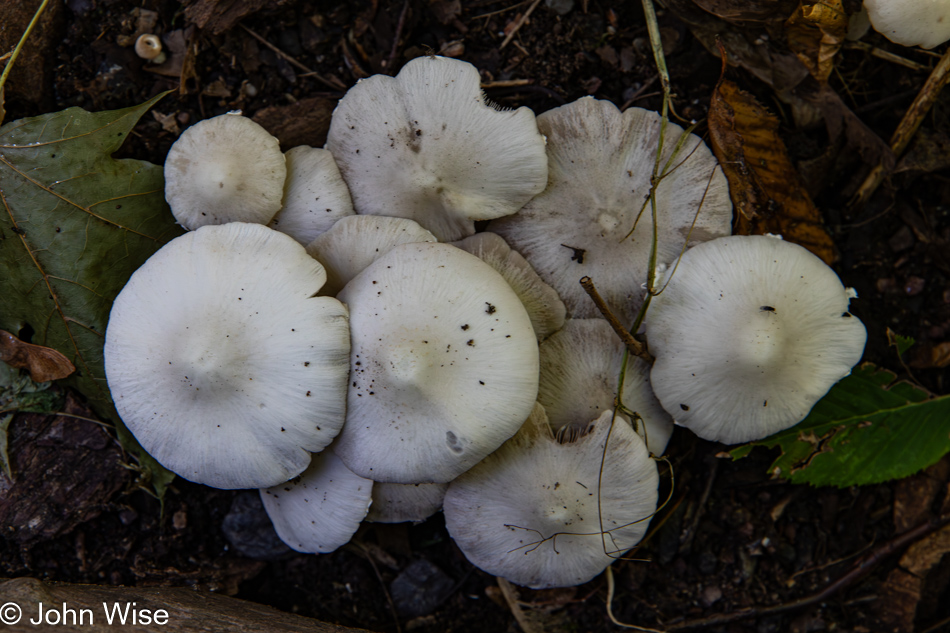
[447, 375]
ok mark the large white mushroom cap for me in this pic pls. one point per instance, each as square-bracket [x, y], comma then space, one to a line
[539, 513]
[222, 362]
[748, 335]
[224, 169]
[398, 503]
[580, 371]
[924, 23]
[444, 365]
[321, 509]
[600, 162]
[425, 145]
[315, 195]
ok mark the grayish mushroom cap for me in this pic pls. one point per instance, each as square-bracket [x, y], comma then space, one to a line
[600, 162]
[444, 365]
[222, 362]
[425, 145]
[320, 510]
[580, 369]
[529, 511]
[750, 333]
[224, 169]
[397, 503]
[924, 23]
[357, 241]
[542, 302]
[315, 195]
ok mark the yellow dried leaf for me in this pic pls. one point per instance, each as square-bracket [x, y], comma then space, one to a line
[766, 190]
[815, 33]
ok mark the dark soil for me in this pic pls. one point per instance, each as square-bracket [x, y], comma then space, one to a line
[730, 537]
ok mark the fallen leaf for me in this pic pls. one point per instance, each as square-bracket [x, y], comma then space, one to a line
[74, 225]
[217, 16]
[43, 363]
[747, 10]
[815, 33]
[867, 429]
[767, 192]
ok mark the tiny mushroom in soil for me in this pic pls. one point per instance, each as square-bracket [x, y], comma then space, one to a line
[749, 334]
[222, 362]
[924, 23]
[321, 509]
[444, 365]
[548, 513]
[425, 145]
[600, 163]
[224, 169]
[315, 196]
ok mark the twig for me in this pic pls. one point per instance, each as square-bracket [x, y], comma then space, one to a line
[636, 347]
[887, 56]
[519, 23]
[860, 569]
[637, 95]
[610, 612]
[333, 83]
[907, 127]
[16, 52]
[399, 26]
[507, 83]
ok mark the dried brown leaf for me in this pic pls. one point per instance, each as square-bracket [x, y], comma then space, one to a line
[43, 363]
[747, 10]
[766, 190]
[815, 33]
[305, 122]
[217, 16]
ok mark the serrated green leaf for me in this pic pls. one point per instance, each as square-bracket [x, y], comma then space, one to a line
[866, 430]
[901, 342]
[74, 224]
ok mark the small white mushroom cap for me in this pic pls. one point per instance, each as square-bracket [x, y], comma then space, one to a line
[425, 145]
[580, 371]
[600, 162]
[320, 510]
[222, 362]
[542, 302]
[224, 169]
[315, 195]
[748, 335]
[357, 241]
[397, 503]
[444, 365]
[529, 511]
[924, 23]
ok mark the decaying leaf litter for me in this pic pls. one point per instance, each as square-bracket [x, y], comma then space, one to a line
[710, 551]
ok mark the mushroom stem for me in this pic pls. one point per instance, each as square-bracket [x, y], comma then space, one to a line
[635, 347]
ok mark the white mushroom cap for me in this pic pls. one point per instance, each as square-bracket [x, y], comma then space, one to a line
[224, 169]
[222, 362]
[542, 302]
[425, 145]
[529, 511]
[580, 370]
[397, 503]
[600, 163]
[748, 335]
[924, 23]
[444, 365]
[320, 510]
[315, 195]
[357, 241]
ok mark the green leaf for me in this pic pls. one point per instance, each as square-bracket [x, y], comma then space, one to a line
[74, 224]
[902, 343]
[866, 430]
